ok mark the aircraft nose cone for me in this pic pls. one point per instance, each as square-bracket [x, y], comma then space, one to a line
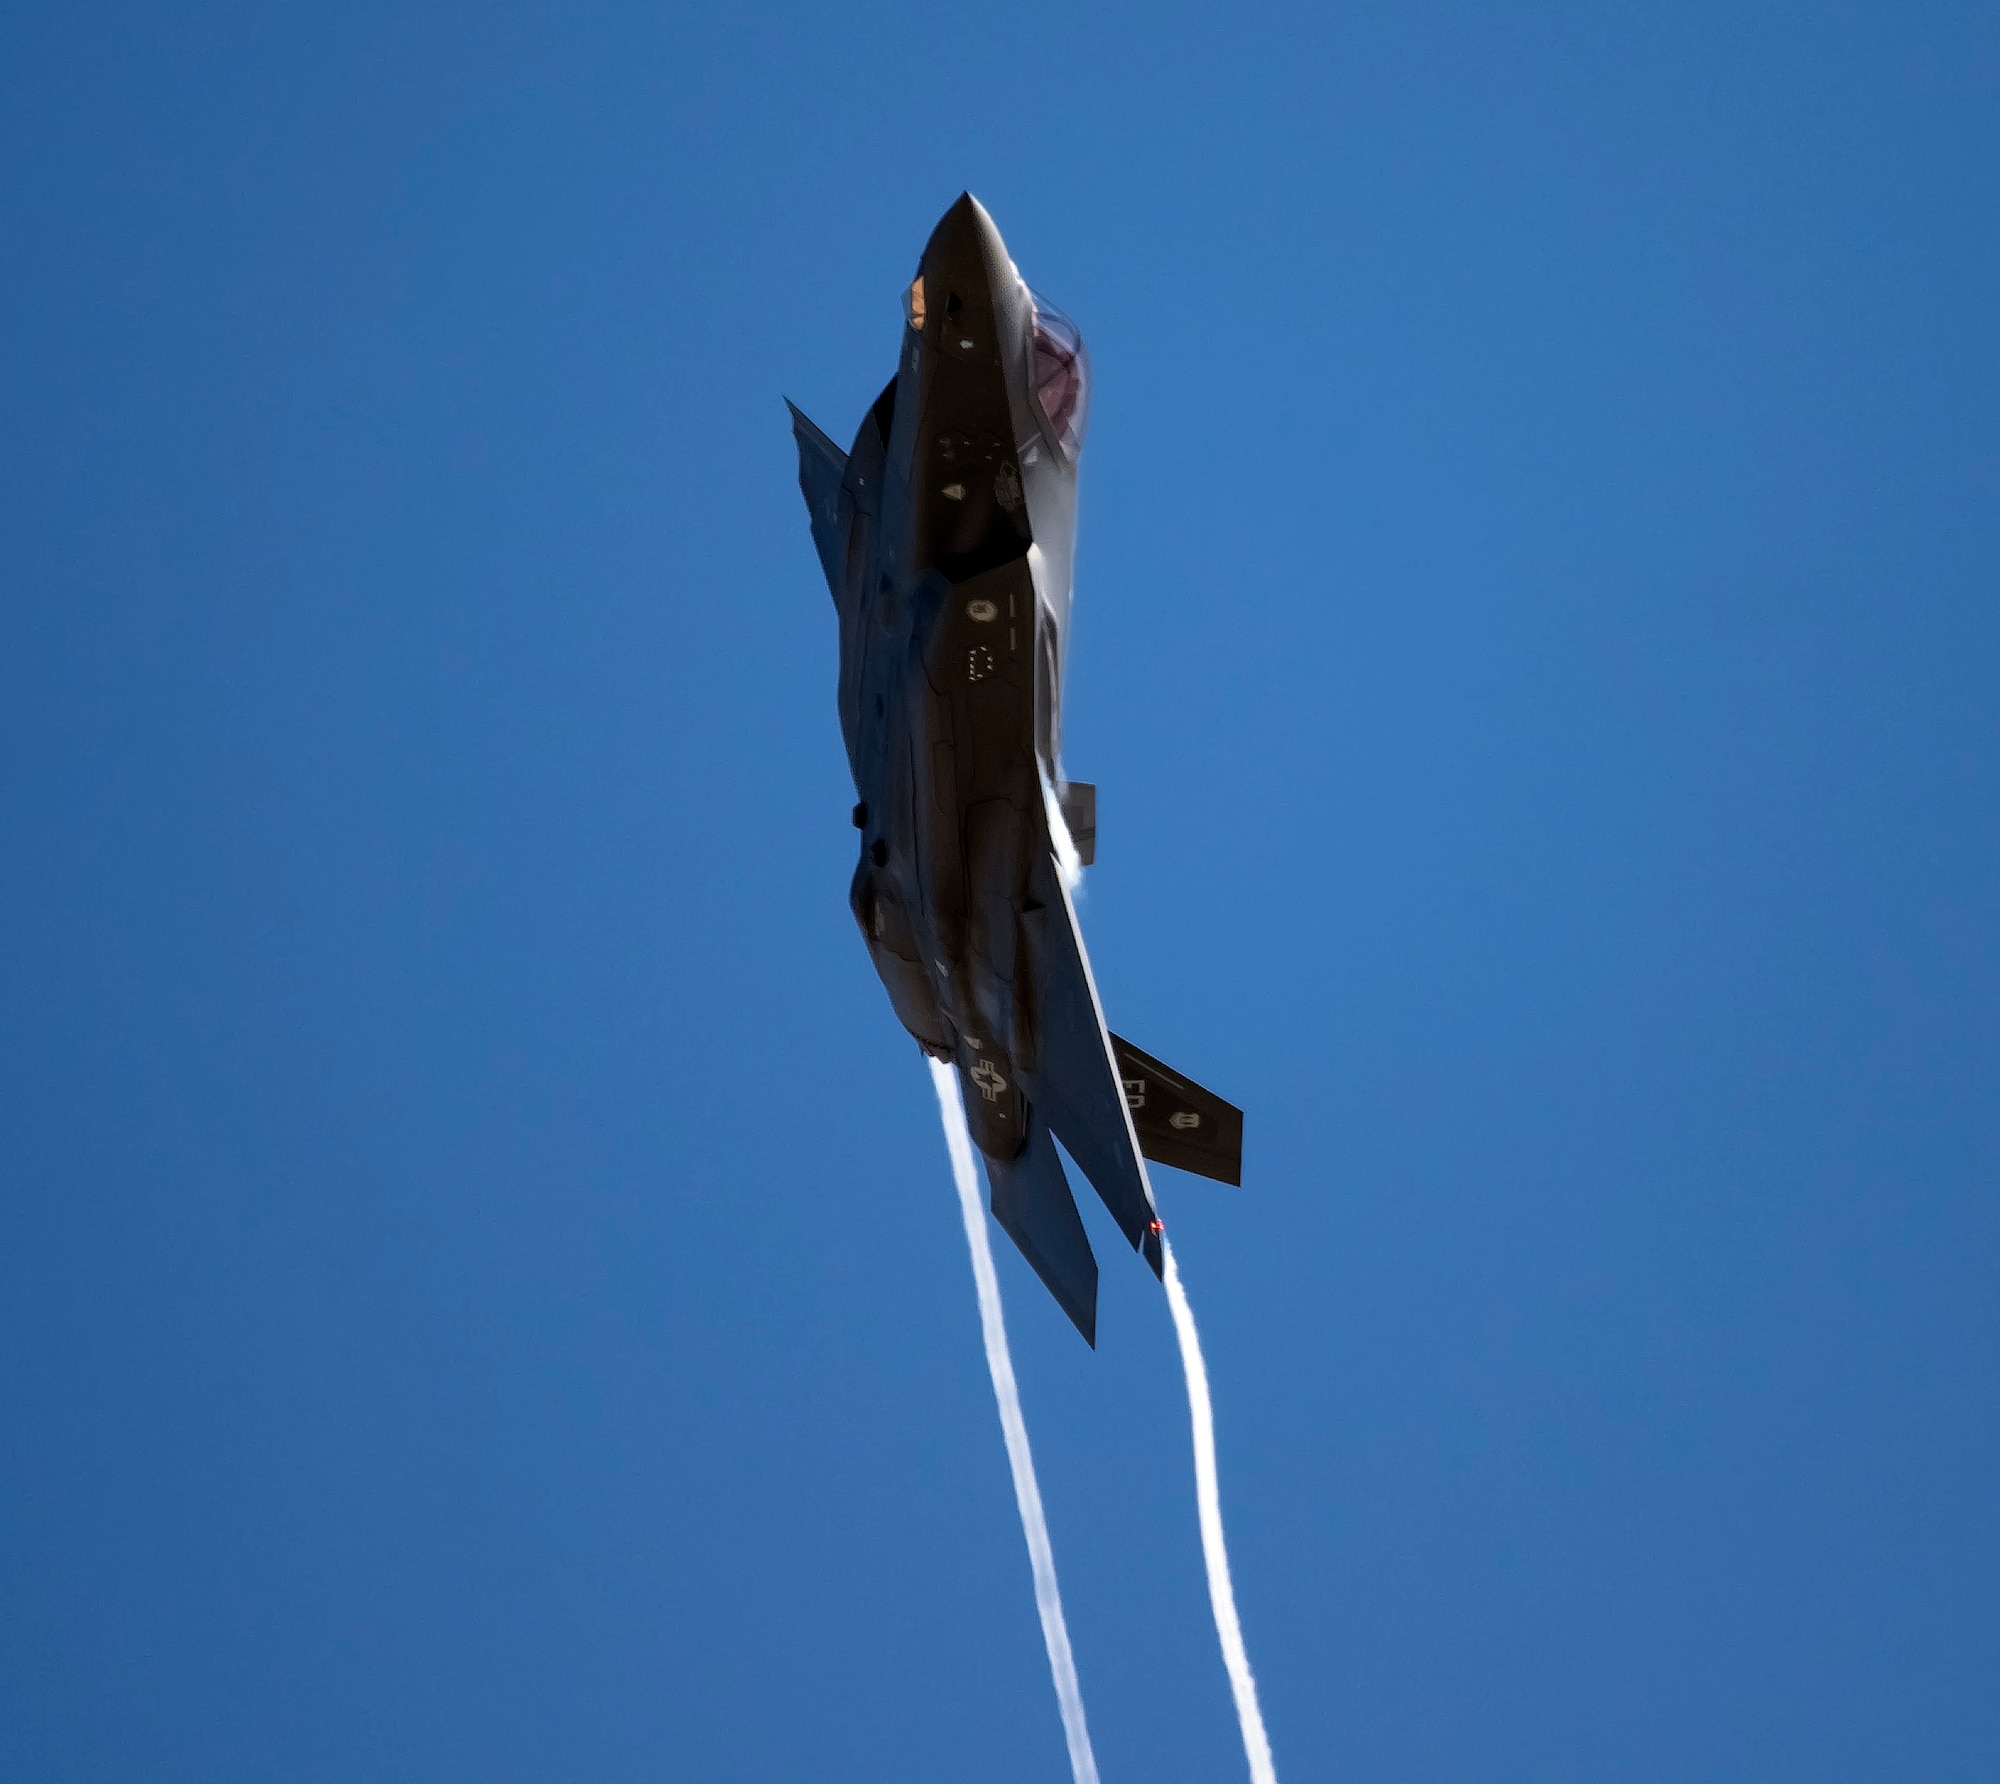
[965, 254]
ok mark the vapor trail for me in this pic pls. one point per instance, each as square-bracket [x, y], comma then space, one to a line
[1208, 1503]
[1027, 1495]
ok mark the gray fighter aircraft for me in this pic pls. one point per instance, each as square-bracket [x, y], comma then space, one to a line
[947, 535]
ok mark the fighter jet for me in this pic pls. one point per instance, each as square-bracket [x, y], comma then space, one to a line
[946, 533]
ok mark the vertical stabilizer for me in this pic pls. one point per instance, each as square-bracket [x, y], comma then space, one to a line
[1075, 1081]
[1031, 1200]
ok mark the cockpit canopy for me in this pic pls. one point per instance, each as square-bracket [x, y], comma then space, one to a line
[1061, 373]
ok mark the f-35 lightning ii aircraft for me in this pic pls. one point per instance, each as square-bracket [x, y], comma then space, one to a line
[947, 535]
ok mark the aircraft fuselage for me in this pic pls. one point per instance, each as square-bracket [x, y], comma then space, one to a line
[947, 537]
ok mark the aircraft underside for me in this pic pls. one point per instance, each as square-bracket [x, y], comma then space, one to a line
[945, 536]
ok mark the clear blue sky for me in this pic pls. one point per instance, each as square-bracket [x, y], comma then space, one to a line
[480, 1295]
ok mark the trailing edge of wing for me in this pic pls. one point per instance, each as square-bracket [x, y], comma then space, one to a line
[1031, 1199]
[1177, 1121]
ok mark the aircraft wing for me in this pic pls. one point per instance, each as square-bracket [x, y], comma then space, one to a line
[822, 465]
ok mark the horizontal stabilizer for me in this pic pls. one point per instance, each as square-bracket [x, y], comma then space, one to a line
[822, 465]
[1178, 1122]
[1031, 1200]
[1074, 1081]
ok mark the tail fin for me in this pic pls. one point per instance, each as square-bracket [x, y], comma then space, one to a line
[1031, 1199]
[1075, 1081]
[822, 465]
[1178, 1122]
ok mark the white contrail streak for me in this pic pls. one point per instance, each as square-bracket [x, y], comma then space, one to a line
[1208, 1503]
[1027, 1495]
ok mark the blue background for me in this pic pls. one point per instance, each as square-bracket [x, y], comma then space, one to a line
[480, 1293]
